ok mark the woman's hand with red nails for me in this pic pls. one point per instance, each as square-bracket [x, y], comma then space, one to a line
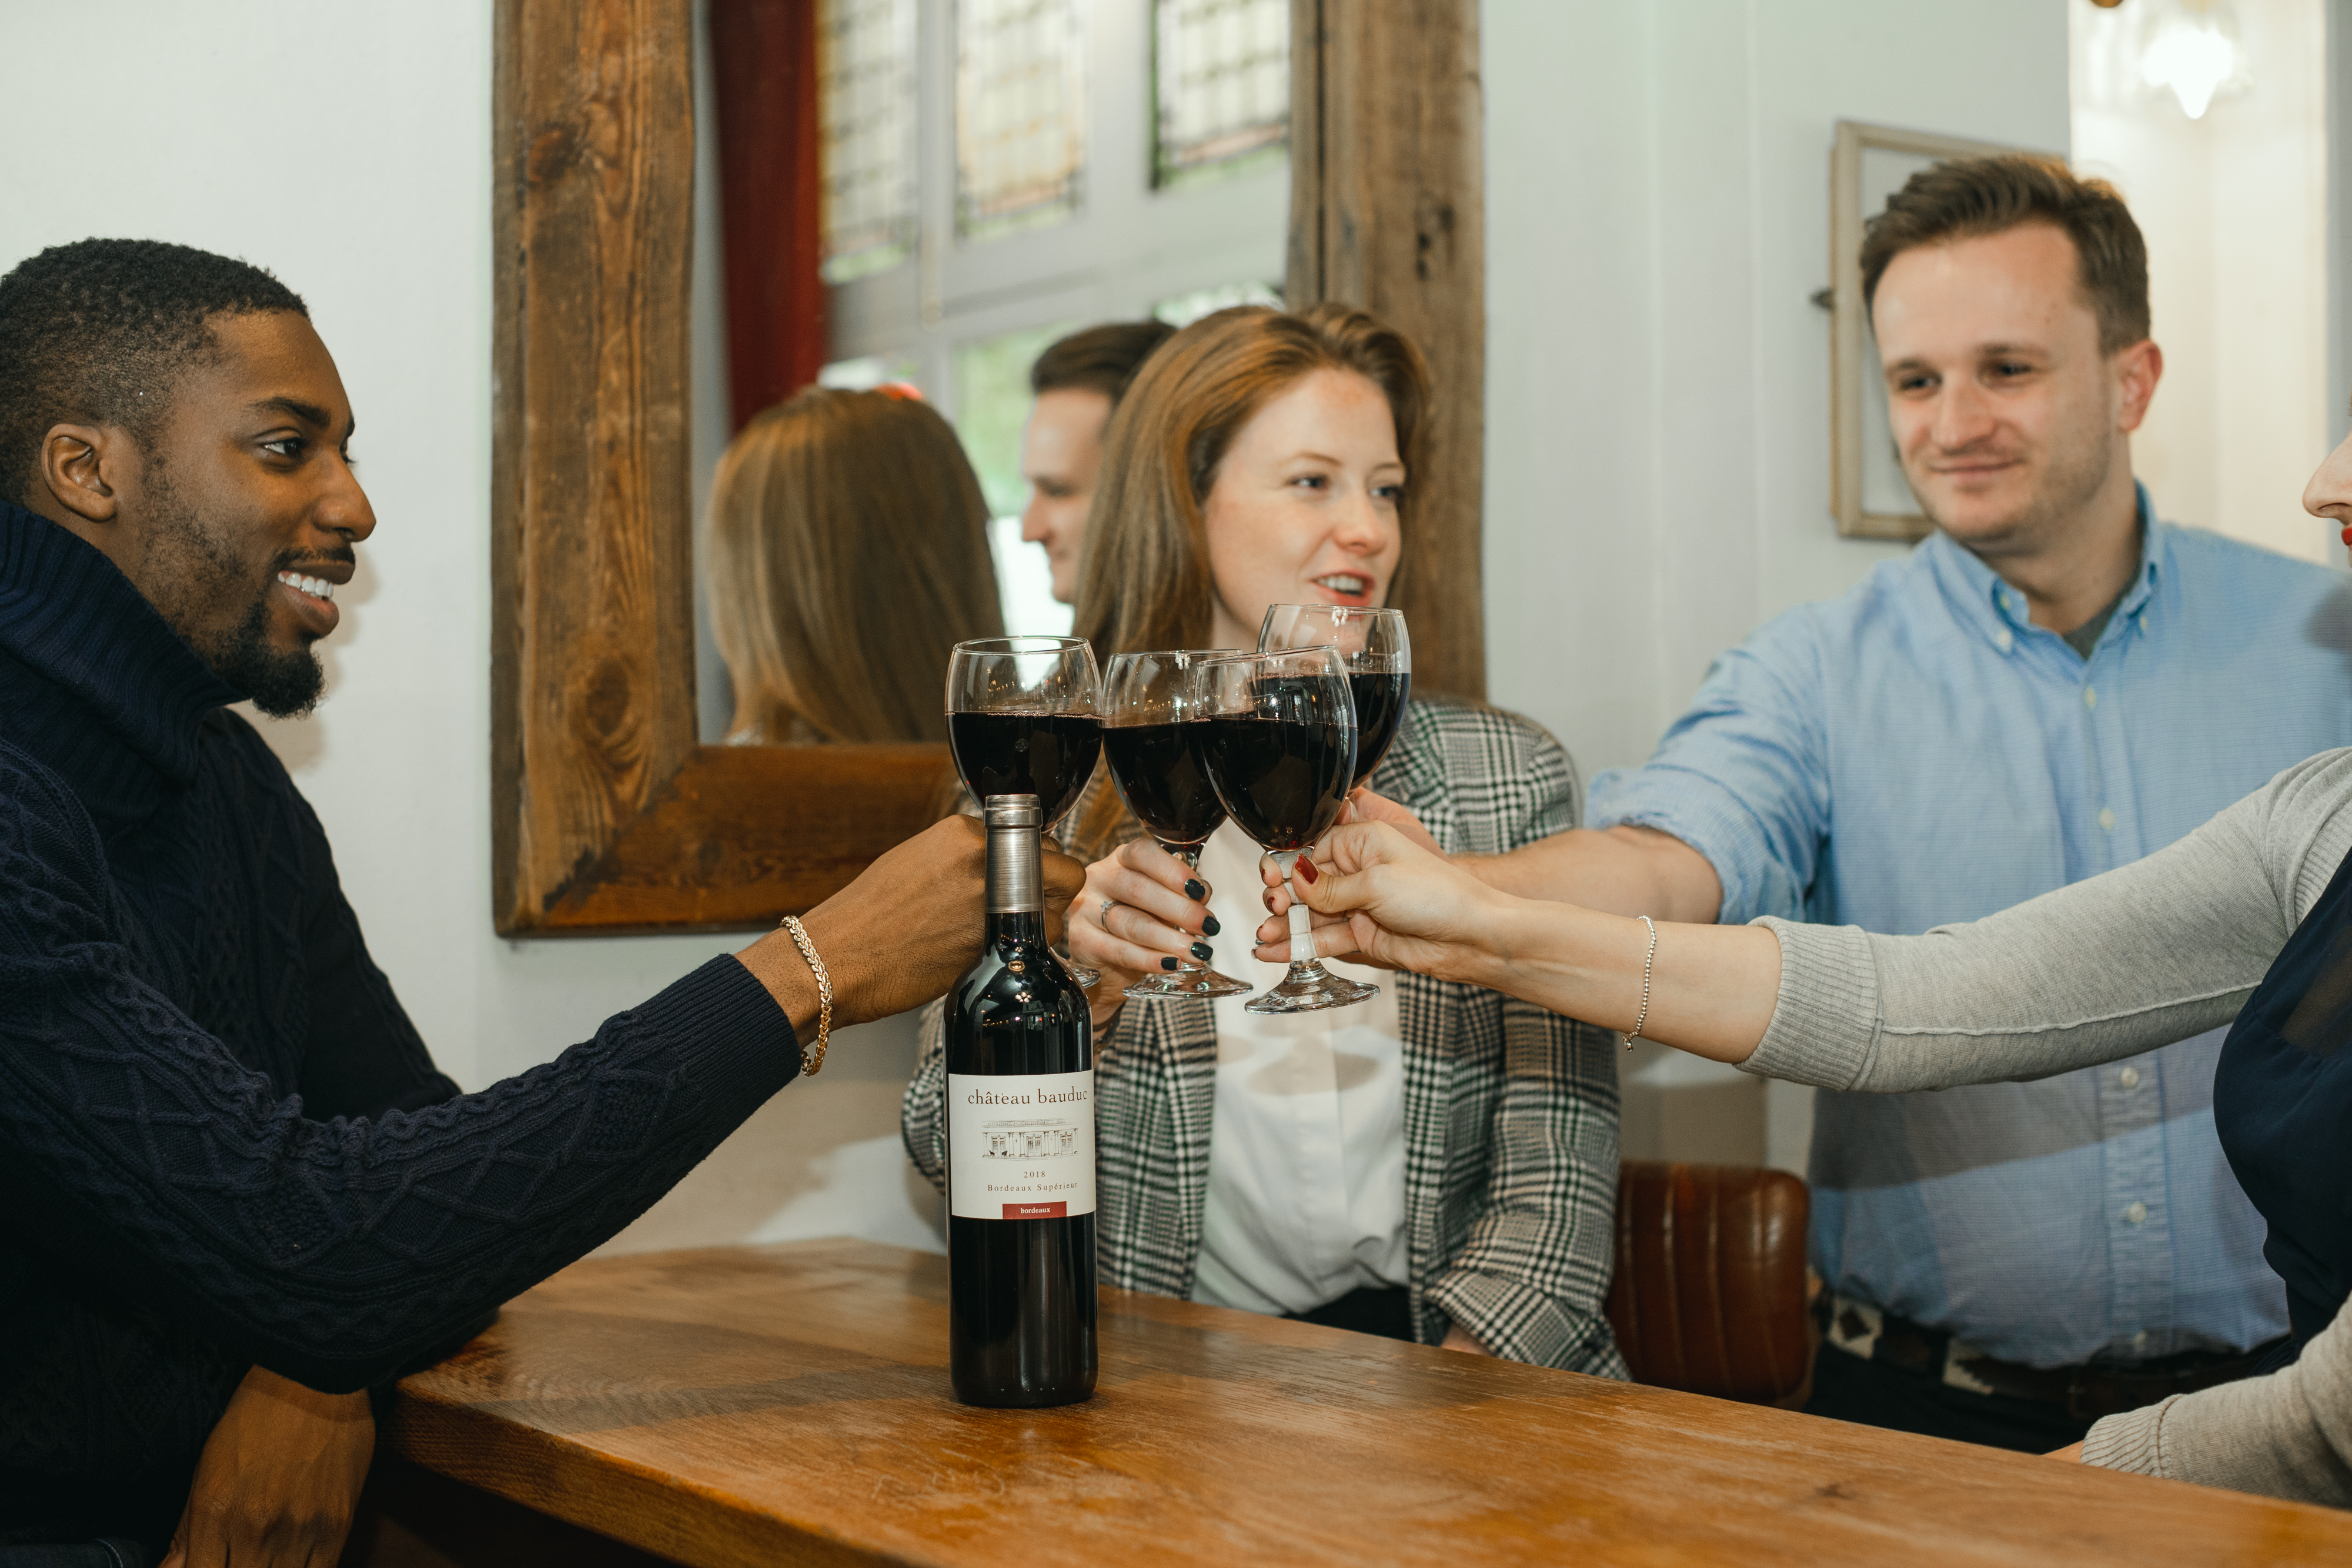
[1402, 906]
[1332, 937]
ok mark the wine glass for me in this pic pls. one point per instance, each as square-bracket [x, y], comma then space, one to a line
[1153, 735]
[1021, 721]
[1281, 747]
[1379, 666]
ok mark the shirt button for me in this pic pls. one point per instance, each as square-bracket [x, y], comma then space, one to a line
[2135, 1212]
[2107, 818]
[2005, 640]
[2090, 696]
[2128, 1078]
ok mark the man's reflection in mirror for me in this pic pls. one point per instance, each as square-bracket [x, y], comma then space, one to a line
[848, 554]
[1077, 382]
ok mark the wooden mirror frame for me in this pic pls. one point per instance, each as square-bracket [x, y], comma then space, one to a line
[606, 814]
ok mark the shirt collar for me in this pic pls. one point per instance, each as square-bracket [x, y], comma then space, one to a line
[1998, 613]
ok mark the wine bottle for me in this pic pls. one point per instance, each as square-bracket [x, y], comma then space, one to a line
[1021, 1147]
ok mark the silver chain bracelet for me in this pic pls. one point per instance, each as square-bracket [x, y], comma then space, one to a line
[1649, 960]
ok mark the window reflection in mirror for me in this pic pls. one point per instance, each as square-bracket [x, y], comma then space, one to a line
[995, 175]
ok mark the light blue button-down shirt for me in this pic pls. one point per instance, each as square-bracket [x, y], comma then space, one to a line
[1917, 752]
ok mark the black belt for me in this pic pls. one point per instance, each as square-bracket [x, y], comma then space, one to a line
[2085, 1393]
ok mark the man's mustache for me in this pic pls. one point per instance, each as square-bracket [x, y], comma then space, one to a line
[294, 560]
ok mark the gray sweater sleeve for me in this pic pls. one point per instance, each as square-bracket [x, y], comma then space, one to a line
[2148, 954]
[2145, 955]
[2288, 1435]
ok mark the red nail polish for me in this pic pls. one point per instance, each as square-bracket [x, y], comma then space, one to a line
[1307, 870]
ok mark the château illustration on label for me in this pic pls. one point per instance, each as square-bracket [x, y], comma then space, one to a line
[1021, 1147]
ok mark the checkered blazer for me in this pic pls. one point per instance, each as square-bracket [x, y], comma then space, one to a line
[1510, 1112]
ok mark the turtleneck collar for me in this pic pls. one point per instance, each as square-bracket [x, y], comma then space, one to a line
[95, 685]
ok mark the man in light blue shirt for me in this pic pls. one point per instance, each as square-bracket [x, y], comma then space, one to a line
[2053, 684]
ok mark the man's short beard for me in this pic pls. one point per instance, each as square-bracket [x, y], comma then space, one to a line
[281, 684]
[204, 571]
[2075, 473]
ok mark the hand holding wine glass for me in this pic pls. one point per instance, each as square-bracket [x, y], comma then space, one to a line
[1405, 907]
[1333, 937]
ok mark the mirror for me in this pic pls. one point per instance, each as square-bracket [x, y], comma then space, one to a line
[616, 807]
[850, 533]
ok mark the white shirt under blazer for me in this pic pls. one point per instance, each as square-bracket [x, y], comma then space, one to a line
[1307, 1146]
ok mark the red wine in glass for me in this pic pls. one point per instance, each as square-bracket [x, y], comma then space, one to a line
[1021, 721]
[1282, 753]
[1379, 713]
[1155, 738]
[1284, 780]
[1048, 754]
[1379, 666]
[1164, 780]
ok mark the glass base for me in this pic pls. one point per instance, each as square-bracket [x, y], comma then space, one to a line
[1187, 982]
[1310, 988]
[1088, 979]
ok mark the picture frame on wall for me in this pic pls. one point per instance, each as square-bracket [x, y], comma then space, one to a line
[1868, 494]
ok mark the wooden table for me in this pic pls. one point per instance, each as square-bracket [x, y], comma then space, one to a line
[789, 1404]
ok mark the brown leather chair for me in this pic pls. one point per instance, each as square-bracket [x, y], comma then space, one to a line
[1709, 1295]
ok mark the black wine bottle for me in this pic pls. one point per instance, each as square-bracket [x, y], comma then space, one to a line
[1021, 1147]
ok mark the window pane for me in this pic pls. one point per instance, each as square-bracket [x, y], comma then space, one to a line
[1020, 114]
[865, 66]
[992, 404]
[992, 387]
[866, 374]
[1186, 308]
[1221, 84]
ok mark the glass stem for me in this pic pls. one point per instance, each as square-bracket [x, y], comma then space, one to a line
[1302, 927]
[1192, 859]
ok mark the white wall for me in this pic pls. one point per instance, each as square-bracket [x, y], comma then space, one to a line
[2234, 209]
[1657, 394]
[348, 149]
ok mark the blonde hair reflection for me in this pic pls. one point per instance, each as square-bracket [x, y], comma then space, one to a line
[848, 554]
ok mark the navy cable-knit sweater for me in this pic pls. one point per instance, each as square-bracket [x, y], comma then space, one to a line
[221, 1141]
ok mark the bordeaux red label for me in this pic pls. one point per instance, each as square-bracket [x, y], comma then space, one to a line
[1021, 1148]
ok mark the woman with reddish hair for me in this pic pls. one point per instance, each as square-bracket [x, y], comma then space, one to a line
[1438, 1164]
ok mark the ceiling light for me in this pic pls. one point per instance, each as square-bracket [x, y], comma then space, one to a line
[2192, 47]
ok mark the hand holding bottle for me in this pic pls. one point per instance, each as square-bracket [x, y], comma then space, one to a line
[900, 934]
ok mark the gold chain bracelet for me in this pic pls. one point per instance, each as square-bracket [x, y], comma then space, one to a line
[811, 1060]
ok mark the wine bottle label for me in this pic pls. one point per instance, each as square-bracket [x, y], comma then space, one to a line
[1021, 1147]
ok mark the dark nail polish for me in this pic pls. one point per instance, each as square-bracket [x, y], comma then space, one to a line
[1209, 927]
[1195, 889]
[1307, 870]
[1167, 962]
[1202, 951]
